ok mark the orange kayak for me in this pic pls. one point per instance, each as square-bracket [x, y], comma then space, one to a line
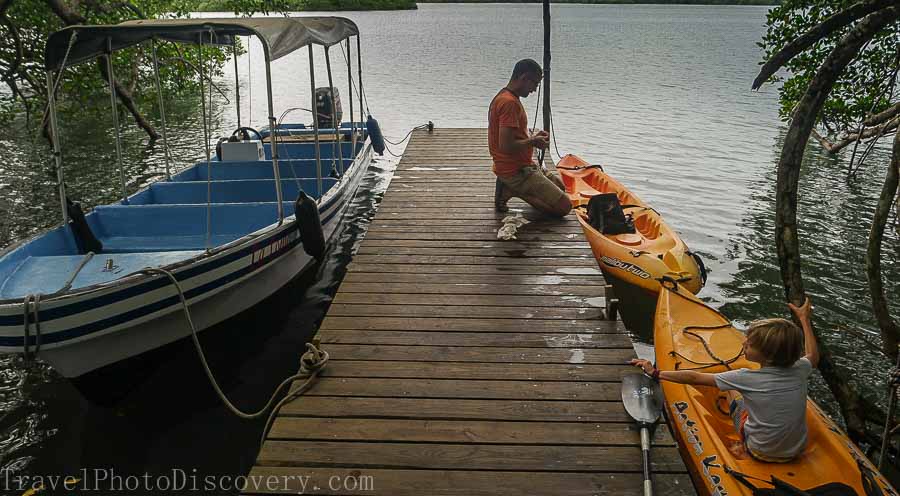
[706, 437]
[636, 259]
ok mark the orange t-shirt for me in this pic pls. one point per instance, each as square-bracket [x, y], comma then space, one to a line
[507, 111]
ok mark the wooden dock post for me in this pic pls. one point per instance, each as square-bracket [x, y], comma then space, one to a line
[462, 364]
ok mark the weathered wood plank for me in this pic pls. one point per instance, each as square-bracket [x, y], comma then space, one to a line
[484, 371]
[437, 268]
[480, 354]
[474, 279]
[462, 431]
[468, 324]
[475, 260]
[486, 339]
[466, 389]
[526, 302]
[451, 312]
[466, 457]
[510, 251]
[381, 482]
[472, 289]
[495, 244]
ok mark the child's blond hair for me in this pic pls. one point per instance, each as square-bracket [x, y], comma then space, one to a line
[779, 340]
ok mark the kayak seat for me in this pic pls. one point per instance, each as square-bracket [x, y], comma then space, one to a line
[647, 226]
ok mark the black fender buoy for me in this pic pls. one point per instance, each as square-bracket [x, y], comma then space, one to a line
[375, 135]
[309, 225]
[84, 237]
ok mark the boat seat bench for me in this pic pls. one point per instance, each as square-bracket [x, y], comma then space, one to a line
[256, 169]
[230, 191]
[147, 228]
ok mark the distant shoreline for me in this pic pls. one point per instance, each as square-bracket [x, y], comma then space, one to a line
[343, 5]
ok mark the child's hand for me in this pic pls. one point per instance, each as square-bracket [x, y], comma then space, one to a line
[802, 312]
[645, 365]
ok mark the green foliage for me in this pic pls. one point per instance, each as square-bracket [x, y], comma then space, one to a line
[862, 86]
[32, 21]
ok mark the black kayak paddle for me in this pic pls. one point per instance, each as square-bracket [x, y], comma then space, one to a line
[642, 398]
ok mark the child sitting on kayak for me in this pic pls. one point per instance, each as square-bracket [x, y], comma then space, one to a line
[768, 405]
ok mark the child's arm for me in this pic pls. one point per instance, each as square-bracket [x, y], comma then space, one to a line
[679, 376]
[803, 312]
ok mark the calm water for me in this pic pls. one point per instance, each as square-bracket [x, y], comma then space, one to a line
[659, 93]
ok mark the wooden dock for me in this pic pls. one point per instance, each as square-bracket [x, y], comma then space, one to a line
[462, 364]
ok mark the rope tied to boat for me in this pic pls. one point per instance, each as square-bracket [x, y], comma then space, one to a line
[311, 364]
[31, 306]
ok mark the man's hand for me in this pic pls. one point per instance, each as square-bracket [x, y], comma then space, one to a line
[540, 140]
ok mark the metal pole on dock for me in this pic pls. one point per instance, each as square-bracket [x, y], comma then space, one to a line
[546, 67]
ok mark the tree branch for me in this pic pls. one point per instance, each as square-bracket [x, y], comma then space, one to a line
[786, 235]
[890, 333]
[884, 116]
[819, 31]
[70, 17]
[845, 141]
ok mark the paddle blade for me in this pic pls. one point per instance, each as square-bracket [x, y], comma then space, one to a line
[642, 398]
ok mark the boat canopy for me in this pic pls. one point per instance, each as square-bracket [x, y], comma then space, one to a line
[280, 35]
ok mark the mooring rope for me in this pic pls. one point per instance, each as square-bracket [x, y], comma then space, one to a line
[312, 362]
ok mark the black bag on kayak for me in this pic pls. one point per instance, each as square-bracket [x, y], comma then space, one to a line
[605, 214]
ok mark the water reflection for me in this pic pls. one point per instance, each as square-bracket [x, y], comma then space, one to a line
[834, 215]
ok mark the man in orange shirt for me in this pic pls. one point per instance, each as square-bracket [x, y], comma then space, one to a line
[512, 148]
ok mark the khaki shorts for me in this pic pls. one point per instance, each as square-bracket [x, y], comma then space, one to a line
[532, 182]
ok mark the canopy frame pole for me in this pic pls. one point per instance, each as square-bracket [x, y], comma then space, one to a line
[206, 125]
[273, 129]
[57, 152]
[334, 122]
[359, 78]
[162, 109]
[115, 117]
[350, 86]
[237, 85]
[312, 84]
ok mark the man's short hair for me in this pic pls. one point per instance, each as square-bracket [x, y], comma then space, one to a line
[526, 66]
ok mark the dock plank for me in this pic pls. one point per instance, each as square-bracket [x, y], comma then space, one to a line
[461, 364]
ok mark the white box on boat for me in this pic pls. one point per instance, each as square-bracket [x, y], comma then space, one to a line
[242, 151]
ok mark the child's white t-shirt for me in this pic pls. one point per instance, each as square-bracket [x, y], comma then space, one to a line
[775, 399]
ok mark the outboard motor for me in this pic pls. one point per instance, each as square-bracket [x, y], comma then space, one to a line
[324, 108]
[309, 224]
[605, 214]
[84, 237]
[375, 135]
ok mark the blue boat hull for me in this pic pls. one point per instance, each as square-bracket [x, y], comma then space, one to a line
[114, 312]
